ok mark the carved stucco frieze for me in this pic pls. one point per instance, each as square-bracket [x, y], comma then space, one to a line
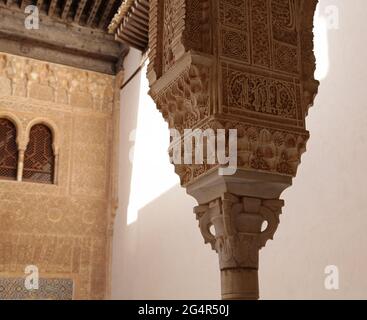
[32, 79]
[259, 148]
[246, 65]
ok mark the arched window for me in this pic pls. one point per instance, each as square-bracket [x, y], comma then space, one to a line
[8, 150]
[39, 159]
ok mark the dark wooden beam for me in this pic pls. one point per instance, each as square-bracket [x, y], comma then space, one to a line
[145, 3]
[137, 11]
[51, 9]
[39, 5]
[107, 11]
[93, 13]
[22, 4]
[80, 10]
[130, 24]
[141, 7]
[66, 9]
[130, 42]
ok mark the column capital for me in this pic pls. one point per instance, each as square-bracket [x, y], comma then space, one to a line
[238, 222]
[237, 216]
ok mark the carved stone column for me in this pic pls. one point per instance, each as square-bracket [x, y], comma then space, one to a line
[244, 65]
[21, 152]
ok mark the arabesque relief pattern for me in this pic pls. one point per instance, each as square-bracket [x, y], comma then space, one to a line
[263, 79]
[60, 228]
[245, 65]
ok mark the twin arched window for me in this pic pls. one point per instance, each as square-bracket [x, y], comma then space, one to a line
[39, 159]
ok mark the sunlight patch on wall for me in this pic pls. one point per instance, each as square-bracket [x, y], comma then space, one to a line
[152, 173]
[321, 46]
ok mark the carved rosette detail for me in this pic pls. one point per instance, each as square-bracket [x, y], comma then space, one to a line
[238, 234]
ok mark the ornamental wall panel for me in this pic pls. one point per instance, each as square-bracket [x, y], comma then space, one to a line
[64, 228]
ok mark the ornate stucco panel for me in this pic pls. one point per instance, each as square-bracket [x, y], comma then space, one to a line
[63, 229]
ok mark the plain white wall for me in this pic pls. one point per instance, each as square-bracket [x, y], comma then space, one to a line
[162, 255]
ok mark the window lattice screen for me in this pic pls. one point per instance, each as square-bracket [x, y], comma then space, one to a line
[39, 160]
[8, 150]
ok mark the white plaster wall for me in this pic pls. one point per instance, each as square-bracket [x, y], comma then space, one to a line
[162, 255]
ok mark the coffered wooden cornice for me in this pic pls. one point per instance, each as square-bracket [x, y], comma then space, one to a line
[92, 13]
[70, 32]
